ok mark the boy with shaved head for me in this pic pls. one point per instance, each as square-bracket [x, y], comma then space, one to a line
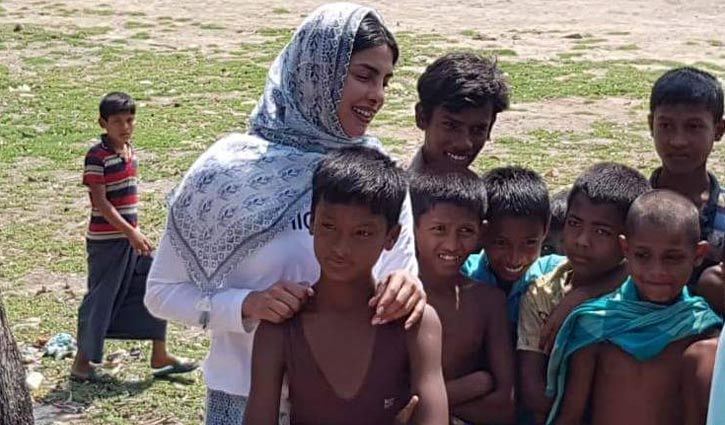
[641, 355]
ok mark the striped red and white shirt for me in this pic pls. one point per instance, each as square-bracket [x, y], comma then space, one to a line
[104, 166]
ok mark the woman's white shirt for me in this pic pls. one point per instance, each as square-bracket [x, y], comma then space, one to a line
[170, 294]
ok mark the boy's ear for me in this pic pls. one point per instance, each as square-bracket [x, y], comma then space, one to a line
[490, 126]
[701, 250]
[102, 122]
[482, 235]
[392, 237]
[623, 244]
[650, 119]
[719, 129]
[421, 119]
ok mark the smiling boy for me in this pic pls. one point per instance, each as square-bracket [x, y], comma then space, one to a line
[460, 96]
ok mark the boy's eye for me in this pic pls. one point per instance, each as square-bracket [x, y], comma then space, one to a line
[572, 222]
[531, 242]
[438, 229]
[364, 233]
[674, 259]
[641, 255]
[362, 77]
[327, 226]
[603, 232]
[466, 230]
[449, 125]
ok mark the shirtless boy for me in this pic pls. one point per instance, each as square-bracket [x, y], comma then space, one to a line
[340, 368]
[636, 367]
[478, 363]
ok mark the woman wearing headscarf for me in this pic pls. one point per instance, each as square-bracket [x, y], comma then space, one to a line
[237, 247]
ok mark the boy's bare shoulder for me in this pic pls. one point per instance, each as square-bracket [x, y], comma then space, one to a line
[428, 323]
[712, 274]
[482, 292]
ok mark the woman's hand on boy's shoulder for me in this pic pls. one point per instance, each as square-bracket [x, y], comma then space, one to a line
[277, 303]
[400, 295]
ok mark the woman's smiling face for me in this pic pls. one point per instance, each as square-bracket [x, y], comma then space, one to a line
[364, 91]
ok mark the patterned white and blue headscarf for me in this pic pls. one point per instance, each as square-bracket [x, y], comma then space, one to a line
[246, 188]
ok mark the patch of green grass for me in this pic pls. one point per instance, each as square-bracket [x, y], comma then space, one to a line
[628, 47]
[133, 396]
[275, 32]
[98, 12]
[211, 26]
[141, 35]
[38, 61]
[137, 24]
[618, 33]
[137, 14]
[280, 11]
[570, 55]
[715, 43]
[538, 80]
[501, 52]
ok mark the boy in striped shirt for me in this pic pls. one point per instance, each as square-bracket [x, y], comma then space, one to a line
[119, 255]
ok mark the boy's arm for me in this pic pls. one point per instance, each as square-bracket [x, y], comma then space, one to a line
[532, 361]
[497, 406]
[696, 376]
[532, 373]
[138, 241]
[468, 387]
[571, 301]
[425, 350]
[711, 286]
[578, 386]
[267, 374]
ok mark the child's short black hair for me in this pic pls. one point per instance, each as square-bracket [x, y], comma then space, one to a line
[690, 86]
[116, 103]
[463, 189]
[558, 210]
[611, 183]
[517, 192]
[361, 176]
[458, 81]
[664, 209]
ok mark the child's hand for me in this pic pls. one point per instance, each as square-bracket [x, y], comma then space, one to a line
[403, 417]
[557, 317]
[400, 294]
[140, 243]
[277, 303]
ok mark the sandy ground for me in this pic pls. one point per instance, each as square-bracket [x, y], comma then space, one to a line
[682, 30]
[677, 30]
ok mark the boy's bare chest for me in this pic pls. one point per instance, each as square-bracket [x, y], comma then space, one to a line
[463, 336]
[642, 392]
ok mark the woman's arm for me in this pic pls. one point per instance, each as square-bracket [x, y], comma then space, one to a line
[424, 347]
[171, 295]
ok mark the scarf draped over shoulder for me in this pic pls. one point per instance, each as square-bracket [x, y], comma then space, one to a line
[246, 188]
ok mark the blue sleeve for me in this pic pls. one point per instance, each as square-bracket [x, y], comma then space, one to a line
[471, 267]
